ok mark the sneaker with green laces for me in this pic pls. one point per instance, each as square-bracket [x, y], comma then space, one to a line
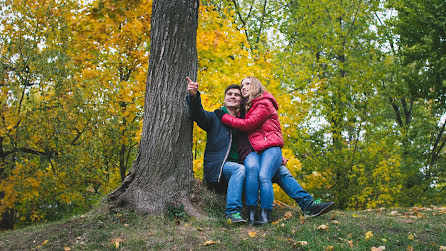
[235, 218]
[318, 207]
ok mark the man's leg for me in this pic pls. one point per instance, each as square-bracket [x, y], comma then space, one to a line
[235, 174]
[292, 188]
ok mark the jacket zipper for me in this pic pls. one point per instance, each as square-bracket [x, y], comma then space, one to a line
[227, 153]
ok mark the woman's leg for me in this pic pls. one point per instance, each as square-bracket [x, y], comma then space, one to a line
[270, 161]
[252, 166]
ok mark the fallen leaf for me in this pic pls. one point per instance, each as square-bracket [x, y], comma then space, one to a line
[384, 239]
[394, 213]
[368, 235]
[411, 236]
[350, 243]
[380, 209]
[288, 214]
[66, 248]
[199, 229]
[323, 227]
[44, 242]
[409, 248]
[149, 234]
[302, 219]
[328, 248]
[380, 248]
[301, 243]
[355, 215]
[126, 225]
[282, 225]
[116, 242]
[252, 234]
[207, 243]
[336, 222]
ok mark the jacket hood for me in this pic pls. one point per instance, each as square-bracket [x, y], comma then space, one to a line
[267, 95]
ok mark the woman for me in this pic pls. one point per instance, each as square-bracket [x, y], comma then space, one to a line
[261, 122]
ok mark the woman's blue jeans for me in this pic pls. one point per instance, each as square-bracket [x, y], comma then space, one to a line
[282, 177]
[260, 169]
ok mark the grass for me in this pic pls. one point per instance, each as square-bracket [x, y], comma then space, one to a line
[394, 228]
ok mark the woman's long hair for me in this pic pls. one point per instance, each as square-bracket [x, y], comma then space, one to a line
[256, 89]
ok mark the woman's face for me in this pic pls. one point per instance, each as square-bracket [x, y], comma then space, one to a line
[245, 87]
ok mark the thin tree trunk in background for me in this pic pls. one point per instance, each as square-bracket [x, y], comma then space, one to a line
[162, 174]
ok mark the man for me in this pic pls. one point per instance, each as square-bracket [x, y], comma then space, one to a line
[222, 153]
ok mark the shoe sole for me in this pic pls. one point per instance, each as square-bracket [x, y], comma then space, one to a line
[323, 211]
[235, 221]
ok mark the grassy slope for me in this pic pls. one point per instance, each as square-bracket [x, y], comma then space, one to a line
[396, 229]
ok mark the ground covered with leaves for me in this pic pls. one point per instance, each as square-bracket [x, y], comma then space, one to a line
[417, 228]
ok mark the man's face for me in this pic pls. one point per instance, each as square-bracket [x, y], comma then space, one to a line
[232, 98]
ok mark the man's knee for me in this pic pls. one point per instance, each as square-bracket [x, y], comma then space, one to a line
[281, 173]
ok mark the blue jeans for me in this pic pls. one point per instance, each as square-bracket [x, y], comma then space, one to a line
[292, 188]
[282, 177]
[234, 173]
[268, 161]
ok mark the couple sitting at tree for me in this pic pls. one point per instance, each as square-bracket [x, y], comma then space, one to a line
[243, 150]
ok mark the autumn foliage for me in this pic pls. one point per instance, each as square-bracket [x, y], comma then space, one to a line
[73, 74]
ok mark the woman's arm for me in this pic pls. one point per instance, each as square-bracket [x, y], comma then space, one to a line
[261, 112]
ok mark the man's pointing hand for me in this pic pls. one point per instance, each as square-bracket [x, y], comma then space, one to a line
[192, 87]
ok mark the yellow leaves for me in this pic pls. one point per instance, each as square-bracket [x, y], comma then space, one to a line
[116, 242]
[368, 235]
[411, 236]
[208, 243]
[252, 234]
[329, 248]
[43, 244]
[323, 227]
[301, 243]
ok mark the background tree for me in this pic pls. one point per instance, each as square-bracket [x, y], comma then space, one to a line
[162, 173]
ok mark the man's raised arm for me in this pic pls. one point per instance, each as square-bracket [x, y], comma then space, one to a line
[196, 111]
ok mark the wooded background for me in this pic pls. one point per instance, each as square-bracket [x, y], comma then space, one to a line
[360, 84]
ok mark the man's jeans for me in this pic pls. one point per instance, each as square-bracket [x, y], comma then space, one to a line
[235, 175]
[282, 177]
[292, 188]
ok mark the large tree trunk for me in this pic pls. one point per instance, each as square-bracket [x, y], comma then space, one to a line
[162, 173]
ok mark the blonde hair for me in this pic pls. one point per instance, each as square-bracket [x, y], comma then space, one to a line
[256, 89]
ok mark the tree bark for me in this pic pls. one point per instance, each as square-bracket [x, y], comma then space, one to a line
[162, 174]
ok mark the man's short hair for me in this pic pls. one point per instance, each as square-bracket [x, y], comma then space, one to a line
[233, 86]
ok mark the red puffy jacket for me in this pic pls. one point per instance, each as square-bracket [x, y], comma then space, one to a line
[261, 122]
